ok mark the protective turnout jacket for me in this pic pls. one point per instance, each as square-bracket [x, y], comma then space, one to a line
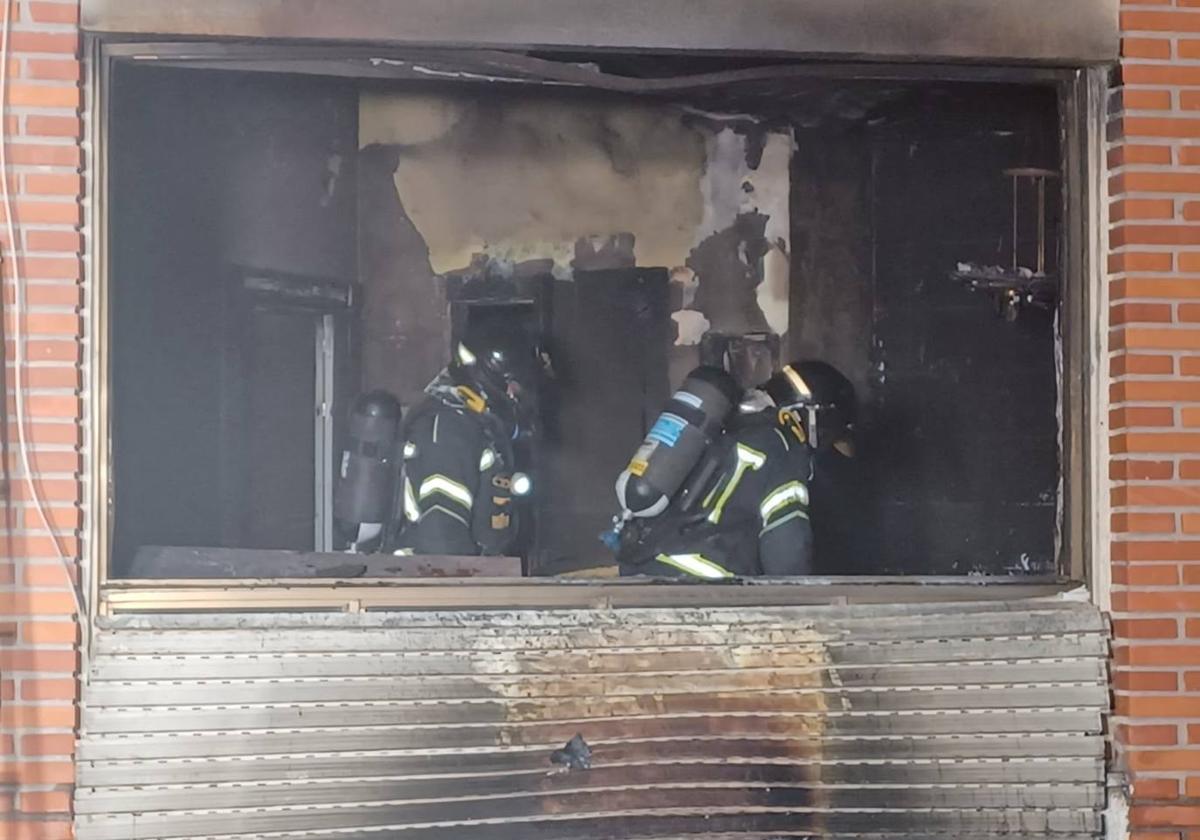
[752, 518]
[456, 477]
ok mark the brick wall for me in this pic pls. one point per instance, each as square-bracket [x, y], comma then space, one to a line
[38, 658]
[1154, 160]
[1154, 156]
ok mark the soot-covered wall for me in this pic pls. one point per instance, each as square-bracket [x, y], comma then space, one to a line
[213, 399]
[957, 463]
[561, 183]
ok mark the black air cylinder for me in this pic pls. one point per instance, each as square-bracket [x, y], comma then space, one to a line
[691, 420]
[369, 468]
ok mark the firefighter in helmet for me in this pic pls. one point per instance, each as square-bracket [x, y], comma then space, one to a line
[745, 509]
[461, 491]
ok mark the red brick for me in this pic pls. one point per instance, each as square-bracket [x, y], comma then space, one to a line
[1148, 442]
[1179, 601]
[1189, 312]
[1146, 681]
[44, 801]
[1190, 523]
[1164, 655]
[1193, 792]
[1147, 47]
[71, 242]
[1163, 760]
[44, 96]
[1189, 156]
[8, 690]
[50, 294]
[29, 212]
[1134, 21]
[1132, 364]
[41, 830]
[1153, 100]
[1192, 628]
[1131, 416]
[44, 154]
[38, 546]
[1191, 575]
[1181, 127]
[1144, 523]
[40, 604]
[1156, 551]
[52, 462]
[53, 12]
[65, 184]
[51, 377]
[1145, 628]
[1165, 815]
[50, 633]
[38, 659]
[1129, 234]
[1156, 287]
[1141, 208]
[37, 717]
[1129, 313]
[49, 689]
[42, 125]
[1189, 469]
[48, 405]
[37, 772]
[1129, 261]
[1157, 495]
[44, 42]
[49, 490]
[45, 574]
[1194, 733]
[1163, 339]
[1131, 154]
[1143, 470]
[1191, 681]
[1151, 789]
[50, 323]
[1156, 391]
[44, 744]
[1149, 575]
[37, 433]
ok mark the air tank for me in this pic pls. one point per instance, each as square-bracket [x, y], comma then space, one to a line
[689, 423]
[367, 475]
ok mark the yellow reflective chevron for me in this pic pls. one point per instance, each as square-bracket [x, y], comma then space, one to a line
[781, 497]
[748, 458]
[696, 565]
[448, 487]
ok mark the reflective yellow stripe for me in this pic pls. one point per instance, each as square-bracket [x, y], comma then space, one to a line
[747, 459]
[410, 502]
[781, 497]
[696, 565]
[447, 487]
[796, 514]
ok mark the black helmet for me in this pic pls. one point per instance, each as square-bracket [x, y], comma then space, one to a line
[822, 398]
[500, 365]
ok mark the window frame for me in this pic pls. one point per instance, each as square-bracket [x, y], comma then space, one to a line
[1083, 522]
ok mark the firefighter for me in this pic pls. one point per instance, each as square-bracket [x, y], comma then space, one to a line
[460, 489]
[745, 508]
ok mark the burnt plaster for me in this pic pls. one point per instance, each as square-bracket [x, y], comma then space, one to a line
[405, 321]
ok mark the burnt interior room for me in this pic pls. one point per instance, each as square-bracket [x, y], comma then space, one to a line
[280, 242]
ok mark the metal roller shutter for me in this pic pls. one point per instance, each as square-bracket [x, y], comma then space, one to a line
[930, 720]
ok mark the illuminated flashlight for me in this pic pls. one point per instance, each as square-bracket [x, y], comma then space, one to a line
[521, 484]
